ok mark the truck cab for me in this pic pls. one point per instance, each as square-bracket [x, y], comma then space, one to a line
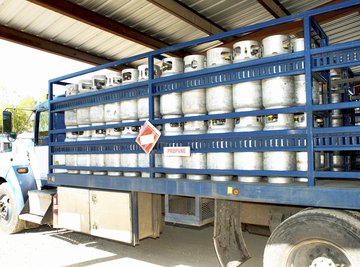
[23, 167]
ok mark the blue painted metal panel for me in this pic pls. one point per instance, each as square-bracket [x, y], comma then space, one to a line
[291, 194]
[20, 184]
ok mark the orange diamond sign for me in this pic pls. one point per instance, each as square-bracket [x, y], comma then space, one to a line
[148, 137]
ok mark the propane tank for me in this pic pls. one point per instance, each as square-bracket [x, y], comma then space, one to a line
[70, 115]
[112, 112]
[71, 89]
[130, 75]
[144, 72]
[194, 62]
[130, 159]
[336, 114]
[99, 81]
[271, 158]
[113, 160]
[83, 114]
[128, 108]
[219, 99]
[218, 56]
[248, 160]
[220, 160]
[299, 80]
[85, 86]
[195, 127]
[170, 129]
[170, 104]
[248, 124]
[173, 128]
[97, 114]
[300, 120]
[173, 162]
[143, 108]
[144, 162]
[279, 122]
[278, 92]
[302, 164]
[98, 160]
[84, 159]
[195, 160]
[276, 45]
[143, 103]
[300, 90]
[113, 79]
[298, 44]
[280, 161]
[70, 118]
[172, 66]
[194, 101]
[338, 162]
[247, 96]
[246, 50]
[71, 159]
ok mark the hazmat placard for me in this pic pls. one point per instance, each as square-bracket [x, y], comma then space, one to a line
[148, 136]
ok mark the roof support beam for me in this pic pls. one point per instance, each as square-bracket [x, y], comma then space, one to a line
[32, 41]
[188, 15]
[94, 19]
[275, 8]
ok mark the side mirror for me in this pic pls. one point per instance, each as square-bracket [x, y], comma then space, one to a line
[12, 136]
[7, 122]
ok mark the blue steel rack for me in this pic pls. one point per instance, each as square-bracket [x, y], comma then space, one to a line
[317, 192]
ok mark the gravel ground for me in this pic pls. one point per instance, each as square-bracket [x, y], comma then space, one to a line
[176, 247]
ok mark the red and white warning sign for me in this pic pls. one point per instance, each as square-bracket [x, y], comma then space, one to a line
[148, 137]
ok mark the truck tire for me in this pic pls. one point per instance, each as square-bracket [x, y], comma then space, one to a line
[9, 219]
[315, 237]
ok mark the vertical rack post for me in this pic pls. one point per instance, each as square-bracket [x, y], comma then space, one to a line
[50, 126]
[151, 109]
[309, 105]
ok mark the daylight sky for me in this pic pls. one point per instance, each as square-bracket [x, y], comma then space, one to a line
[28, 70]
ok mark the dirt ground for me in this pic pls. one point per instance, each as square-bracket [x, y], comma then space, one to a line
[176, 247]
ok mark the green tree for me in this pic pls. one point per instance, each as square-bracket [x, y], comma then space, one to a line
[23, 115]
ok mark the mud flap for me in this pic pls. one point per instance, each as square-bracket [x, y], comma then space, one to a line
[229, 243]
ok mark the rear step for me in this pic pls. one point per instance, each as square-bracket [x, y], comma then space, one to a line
[38, 207]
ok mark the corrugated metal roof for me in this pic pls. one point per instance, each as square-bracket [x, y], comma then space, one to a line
[230, 14]
[41, 22]
[151, 20]
[145, 17]
[295, 7]
[344, 29]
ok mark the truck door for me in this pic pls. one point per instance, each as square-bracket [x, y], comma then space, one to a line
[40, 161]
[6, 156]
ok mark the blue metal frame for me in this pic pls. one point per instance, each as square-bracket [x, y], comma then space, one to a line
[310, 139]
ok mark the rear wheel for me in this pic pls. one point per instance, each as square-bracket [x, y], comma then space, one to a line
[9, 219]
[315, 238]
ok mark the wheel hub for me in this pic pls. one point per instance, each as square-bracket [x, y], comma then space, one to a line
[323, 262]
[318, 253]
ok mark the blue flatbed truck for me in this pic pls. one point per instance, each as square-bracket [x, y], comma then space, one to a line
[312, 223]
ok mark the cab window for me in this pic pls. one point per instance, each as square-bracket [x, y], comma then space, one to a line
[43, 128]
[5, 147]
